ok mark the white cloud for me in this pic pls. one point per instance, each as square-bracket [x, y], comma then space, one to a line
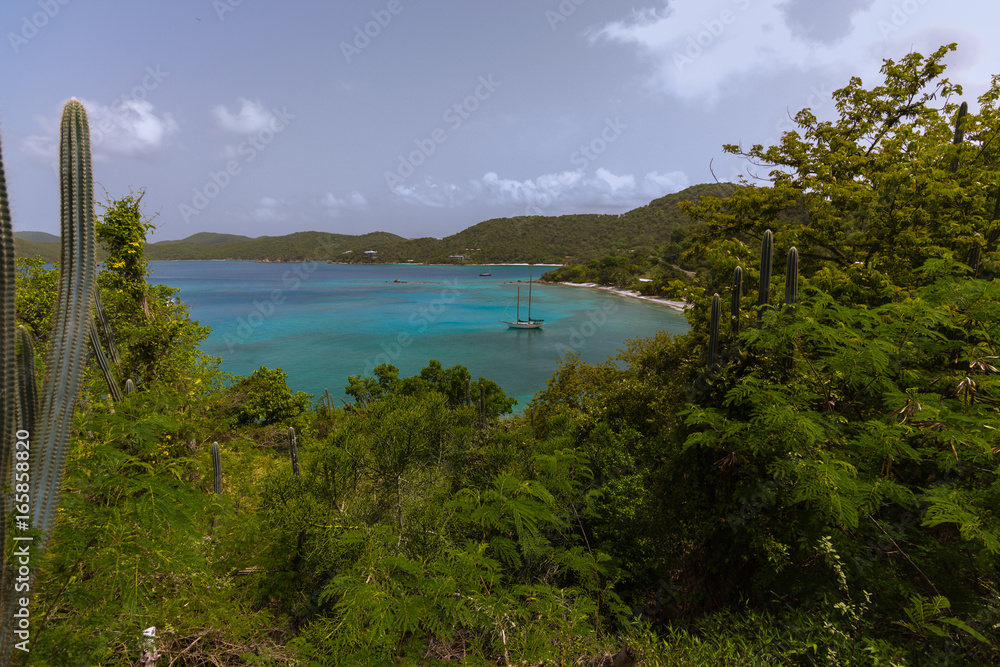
[697, 50]
[698, 47]
[556, 193]
[129, 128]
[250, 119]
[355, 200]
[626, 182]
[270, 209]
[434, 195]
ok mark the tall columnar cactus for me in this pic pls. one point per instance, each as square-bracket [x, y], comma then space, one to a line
[766, 254]
[734, 306]
[67, 351]
[216, 468]
[293, 447]
[713, 332]
[959, 132]
[792, 278]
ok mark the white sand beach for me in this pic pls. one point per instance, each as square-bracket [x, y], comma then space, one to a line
[671, 303]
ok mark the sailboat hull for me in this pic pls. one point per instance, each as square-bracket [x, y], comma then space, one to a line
[523, 325]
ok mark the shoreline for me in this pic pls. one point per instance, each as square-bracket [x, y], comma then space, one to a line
[679, 306]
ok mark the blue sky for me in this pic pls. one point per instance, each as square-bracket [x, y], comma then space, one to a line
[423, 117]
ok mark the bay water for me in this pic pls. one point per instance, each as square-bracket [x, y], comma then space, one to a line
[321, 323]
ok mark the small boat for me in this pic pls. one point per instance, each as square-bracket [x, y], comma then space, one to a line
[518, 323]
[486, 270]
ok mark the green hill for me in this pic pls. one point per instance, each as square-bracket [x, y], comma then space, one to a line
[535, 239]
[37, 237]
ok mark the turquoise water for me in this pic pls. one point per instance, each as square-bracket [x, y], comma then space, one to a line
[322, 322]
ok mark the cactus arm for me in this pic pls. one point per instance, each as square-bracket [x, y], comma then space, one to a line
[106, 328]
[27, 389]
[102, 362]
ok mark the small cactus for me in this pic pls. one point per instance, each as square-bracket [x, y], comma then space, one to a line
[129, 387]
[959, 132]
[295, 452]
[734, 309]
[764, 292]
[217, 467]
[792, 278]
[713, 332]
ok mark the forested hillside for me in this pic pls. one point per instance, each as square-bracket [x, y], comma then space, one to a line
[535, 239]
[810, 476]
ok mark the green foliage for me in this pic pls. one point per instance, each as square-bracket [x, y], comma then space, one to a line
[37, 288]
[158, 340]
[121, 231]
[264, 398]
[454, 383]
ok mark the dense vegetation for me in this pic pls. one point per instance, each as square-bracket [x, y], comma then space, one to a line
[813, 482]
[535, 239]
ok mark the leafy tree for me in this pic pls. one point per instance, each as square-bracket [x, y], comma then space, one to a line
[875, 188]
[264, 398]
[454, 383]
[121, 231]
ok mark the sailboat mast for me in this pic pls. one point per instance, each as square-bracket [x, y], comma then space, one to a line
[529, 298]
[518, 303]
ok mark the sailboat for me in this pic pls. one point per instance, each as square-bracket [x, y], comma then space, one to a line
[486, 270]
[518, 323]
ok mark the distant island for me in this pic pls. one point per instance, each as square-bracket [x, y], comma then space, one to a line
[564, 239]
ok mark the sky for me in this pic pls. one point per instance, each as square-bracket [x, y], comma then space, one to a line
[424, 117]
